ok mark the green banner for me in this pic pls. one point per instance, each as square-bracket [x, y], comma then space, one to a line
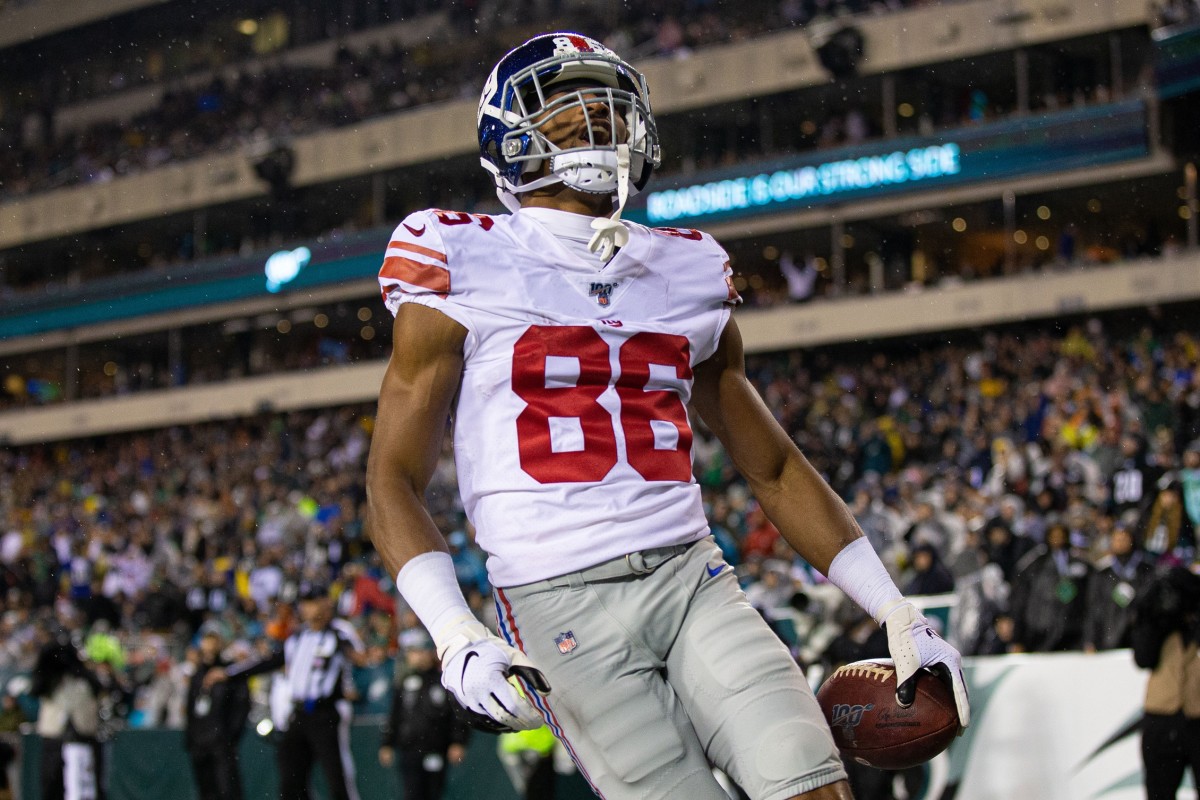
[152, 765]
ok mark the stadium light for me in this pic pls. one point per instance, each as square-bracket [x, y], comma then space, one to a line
[283, 267]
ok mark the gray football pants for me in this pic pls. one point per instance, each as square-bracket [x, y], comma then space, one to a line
[658, 674]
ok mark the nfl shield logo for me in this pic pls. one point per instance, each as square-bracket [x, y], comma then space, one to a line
[602, 291]
[566, 642]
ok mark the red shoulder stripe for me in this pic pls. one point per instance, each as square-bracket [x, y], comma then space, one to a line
[416, 273]
[421, 251]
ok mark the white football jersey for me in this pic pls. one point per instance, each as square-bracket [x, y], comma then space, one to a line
[571, 433]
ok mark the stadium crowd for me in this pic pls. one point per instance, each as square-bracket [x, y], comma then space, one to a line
[245, 103]
[1035, 477]
[250, 102]
[212, 354]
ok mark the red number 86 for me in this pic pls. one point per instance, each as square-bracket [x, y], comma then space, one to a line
[640, 407]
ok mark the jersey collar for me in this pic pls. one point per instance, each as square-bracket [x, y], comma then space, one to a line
[536, 238]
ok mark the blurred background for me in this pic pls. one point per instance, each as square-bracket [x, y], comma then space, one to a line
[965, 231]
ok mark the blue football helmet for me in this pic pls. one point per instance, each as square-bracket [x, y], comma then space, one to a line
[576, 71]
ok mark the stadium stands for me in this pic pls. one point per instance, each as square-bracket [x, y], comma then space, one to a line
[994, 229]
[933, 440]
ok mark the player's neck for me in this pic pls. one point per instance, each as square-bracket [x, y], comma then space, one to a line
[564, 198]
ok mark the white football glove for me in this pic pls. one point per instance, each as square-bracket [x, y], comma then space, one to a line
[913, 645]
[476, 669]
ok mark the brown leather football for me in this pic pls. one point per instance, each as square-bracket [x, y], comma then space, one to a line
[869, 726]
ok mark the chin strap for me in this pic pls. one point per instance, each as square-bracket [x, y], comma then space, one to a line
[610, 233]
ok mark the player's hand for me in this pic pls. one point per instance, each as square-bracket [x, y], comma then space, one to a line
[476, 669]
[913, 645]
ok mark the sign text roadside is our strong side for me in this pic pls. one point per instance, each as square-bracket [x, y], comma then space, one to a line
[790, 185]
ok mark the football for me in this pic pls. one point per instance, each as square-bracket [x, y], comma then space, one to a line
[869, 726]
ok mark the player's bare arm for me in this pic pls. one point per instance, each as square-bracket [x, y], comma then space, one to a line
[809, 514]
[410, 426]
[415, 402]
[812, 518]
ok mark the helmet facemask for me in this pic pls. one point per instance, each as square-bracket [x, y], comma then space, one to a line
[611, 117]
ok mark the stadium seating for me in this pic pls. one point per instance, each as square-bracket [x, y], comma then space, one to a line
[969, 255]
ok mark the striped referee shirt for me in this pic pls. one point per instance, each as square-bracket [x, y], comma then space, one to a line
[316, 663]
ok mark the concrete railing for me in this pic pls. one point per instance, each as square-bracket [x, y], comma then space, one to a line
[1041, 296]
[766, 65]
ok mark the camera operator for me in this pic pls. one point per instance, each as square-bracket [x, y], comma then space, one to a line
[1166, 640]
[68, 722]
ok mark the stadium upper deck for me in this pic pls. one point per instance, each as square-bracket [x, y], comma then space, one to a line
[763, 67]
[1038, 141]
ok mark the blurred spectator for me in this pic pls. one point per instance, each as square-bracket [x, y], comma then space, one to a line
[929, 575]
[469, 564]
[11, 720]
[1120, 578]
[423, 734]
[216, 719]
[103, 647]
[1189, 480]
[1166, 524]
[1132, 480]
[1177, 12]
[774, 589]
[1049, 595]
[982, 599]
[761, 535]
[528, 758]
[68, 723]
[98, 606]
[1005, 549]
[1000, 638]
[801, 280]
[1166, 640]
[362, 594]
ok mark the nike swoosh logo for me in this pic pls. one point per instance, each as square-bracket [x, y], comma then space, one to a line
[414, 231]
[712, 573]
[466, 661]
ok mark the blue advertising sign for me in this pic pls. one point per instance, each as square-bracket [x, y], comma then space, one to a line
[1041, 144]
[1036, 144]
[1177, 59]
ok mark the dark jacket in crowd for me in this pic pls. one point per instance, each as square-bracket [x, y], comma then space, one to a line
[424, 717]
[1049, 600]
[934, 580]
[1005, 549]
[1112, 592]
[68, 719]
[216, 716]
[1169, 605]
[1166, 640]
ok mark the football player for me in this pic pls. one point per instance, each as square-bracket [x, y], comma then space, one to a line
[570, 347]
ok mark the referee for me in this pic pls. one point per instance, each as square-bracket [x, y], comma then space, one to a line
[316, 661]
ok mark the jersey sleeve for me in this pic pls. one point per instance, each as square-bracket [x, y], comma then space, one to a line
[732, 298]
[417, 266]
[714, 276]
[719, 290]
